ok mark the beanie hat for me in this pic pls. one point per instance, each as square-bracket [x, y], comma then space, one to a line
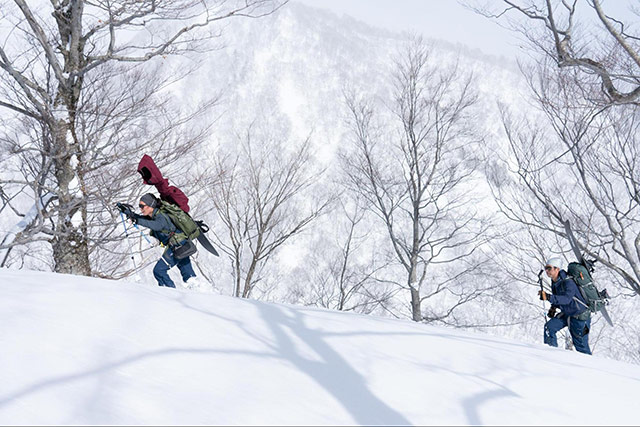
[554, 262]
[149, 200]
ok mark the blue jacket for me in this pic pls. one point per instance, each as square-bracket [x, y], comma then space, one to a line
[160, 225]
[564, 290]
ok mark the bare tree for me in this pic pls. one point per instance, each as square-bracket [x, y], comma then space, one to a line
[580, 34]
[50, 57]
[263, 200]
[415, 180]
[114, 128]
[577, 162]
[343, 272]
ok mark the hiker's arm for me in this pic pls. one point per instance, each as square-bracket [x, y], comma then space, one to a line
[159, 223]
[567, 298]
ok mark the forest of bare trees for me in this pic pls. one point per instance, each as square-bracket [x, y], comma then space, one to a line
[425, 212]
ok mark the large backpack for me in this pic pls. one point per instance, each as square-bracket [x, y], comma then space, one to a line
[187, 227]
[594, 299]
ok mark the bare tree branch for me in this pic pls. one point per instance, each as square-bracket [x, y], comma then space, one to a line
[612, 55]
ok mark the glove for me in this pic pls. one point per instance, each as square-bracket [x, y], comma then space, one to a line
[552, 311]
[544, 296]
[122, 207]
[126, 210]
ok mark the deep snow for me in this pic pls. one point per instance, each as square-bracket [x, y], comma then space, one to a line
[77, 350]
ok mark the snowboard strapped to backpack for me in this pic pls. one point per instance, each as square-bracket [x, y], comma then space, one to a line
[595, 299]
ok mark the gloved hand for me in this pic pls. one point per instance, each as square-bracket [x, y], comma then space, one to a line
[543, 295]
[127, 211]
[552, 311]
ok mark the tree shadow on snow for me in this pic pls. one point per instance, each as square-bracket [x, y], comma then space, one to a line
[331, 371]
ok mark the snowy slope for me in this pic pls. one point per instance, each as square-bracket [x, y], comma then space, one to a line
[78, 350]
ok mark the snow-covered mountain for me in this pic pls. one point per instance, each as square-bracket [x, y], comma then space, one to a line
[291, 70]
[77, 350]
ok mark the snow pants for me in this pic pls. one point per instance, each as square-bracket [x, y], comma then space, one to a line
[166, 261]
[579, 330]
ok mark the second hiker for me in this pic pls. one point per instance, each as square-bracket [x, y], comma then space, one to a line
[567, 297]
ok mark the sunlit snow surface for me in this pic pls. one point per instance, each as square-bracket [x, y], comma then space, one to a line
[76, 350]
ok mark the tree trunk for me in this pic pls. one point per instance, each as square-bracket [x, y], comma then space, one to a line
[248, 281]
[416, 312]
[71, 254]
[70, 246]
[238, 278]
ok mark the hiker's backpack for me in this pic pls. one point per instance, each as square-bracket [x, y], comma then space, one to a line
[187, 227]
[595, 299]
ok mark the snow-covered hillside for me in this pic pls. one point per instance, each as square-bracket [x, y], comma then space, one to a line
[292, 69]
[77, 350]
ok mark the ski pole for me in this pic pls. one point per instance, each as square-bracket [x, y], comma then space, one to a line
[126, 233]
[542, 290]
[122, 207]
[141, 233]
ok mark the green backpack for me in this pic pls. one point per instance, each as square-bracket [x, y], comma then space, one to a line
[595, 299]
[187, 227]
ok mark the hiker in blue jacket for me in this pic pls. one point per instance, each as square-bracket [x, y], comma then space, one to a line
[161, 228]
[567, 297]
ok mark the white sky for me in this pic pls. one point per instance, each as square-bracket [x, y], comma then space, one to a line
[443, 19]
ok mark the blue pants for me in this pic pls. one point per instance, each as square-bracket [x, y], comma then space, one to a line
[579, 330]
[167, 261]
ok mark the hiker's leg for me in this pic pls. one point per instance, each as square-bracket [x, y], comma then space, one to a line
[551, 328]
[160, 271]
[579, 330]
[186, 269]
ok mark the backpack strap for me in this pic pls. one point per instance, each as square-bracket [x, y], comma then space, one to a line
[586, 307]
[175, 236]
[577, 300]
[584, 297]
